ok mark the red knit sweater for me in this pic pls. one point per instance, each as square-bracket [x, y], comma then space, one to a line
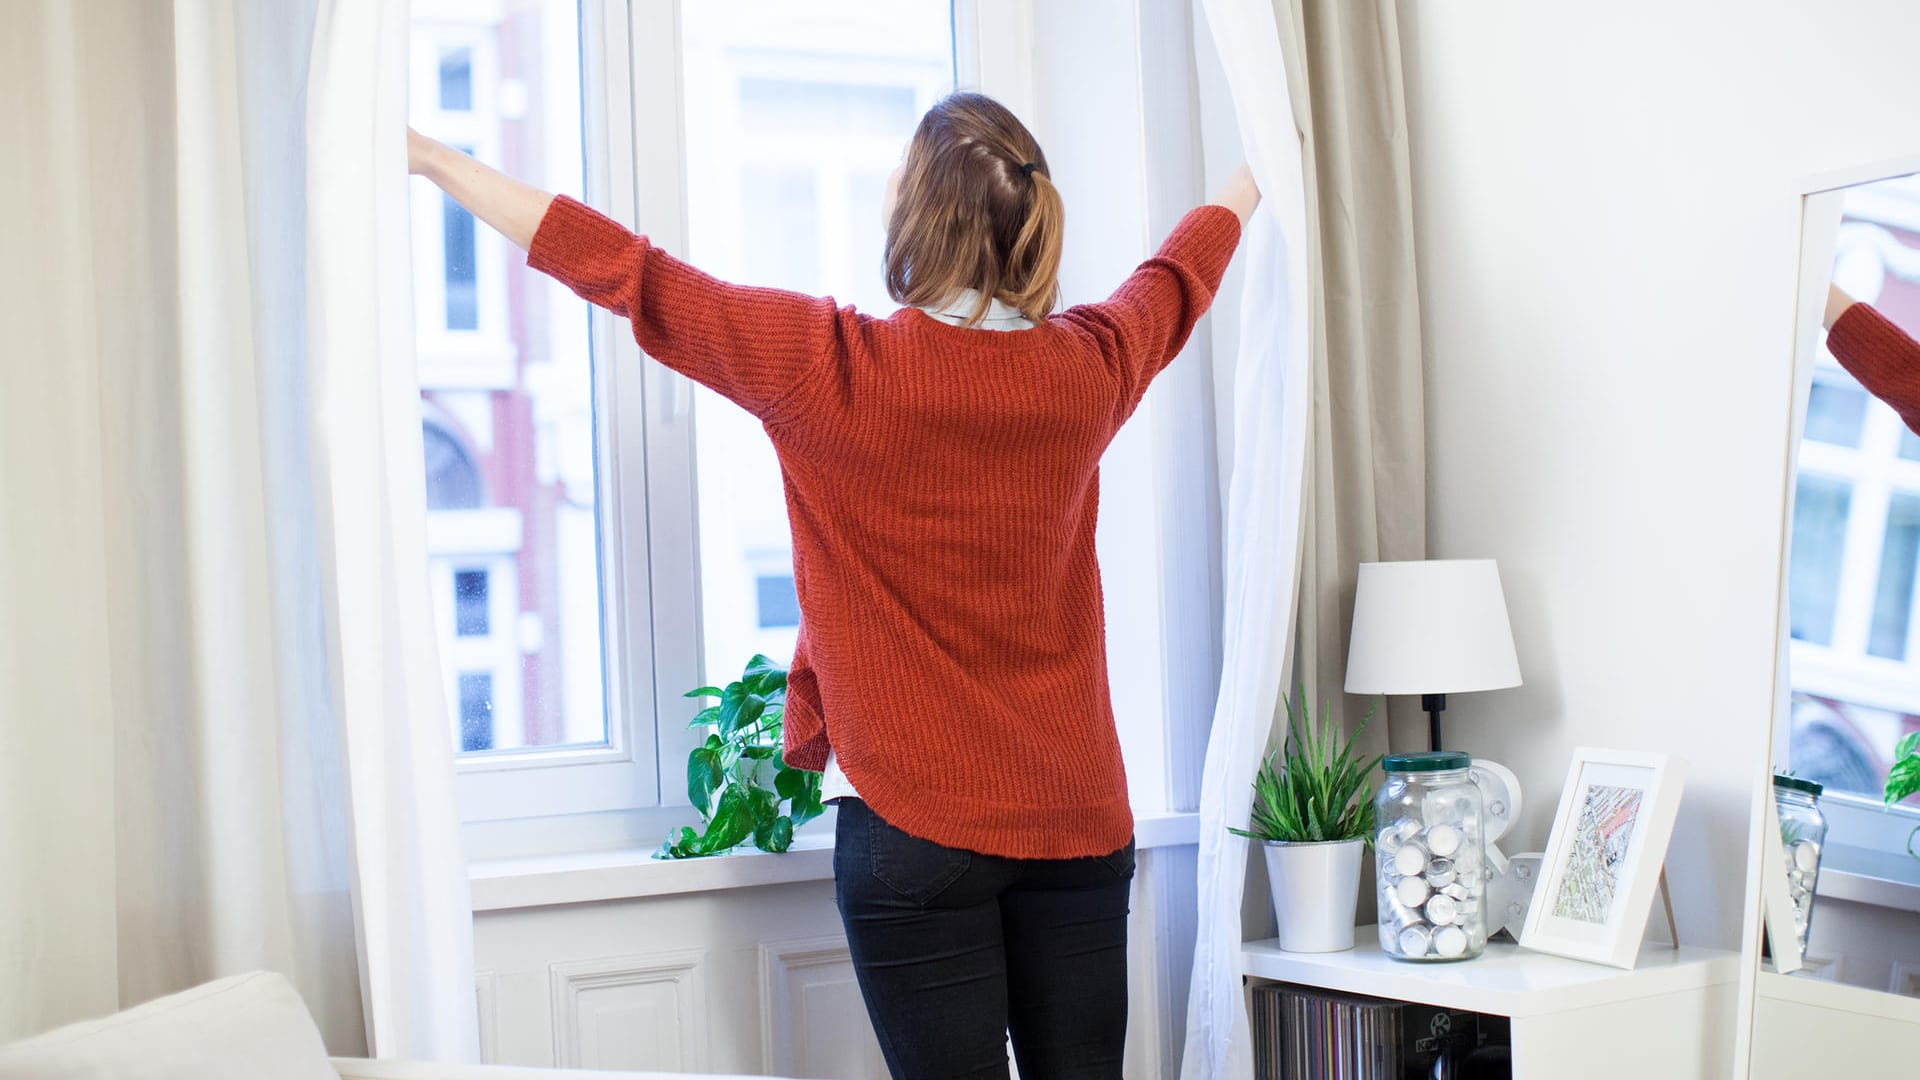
[1881, 356]
[942, 485]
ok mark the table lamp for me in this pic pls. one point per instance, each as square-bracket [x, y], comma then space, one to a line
[1433, 628]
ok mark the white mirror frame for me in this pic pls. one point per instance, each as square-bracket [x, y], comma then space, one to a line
[1819, 197]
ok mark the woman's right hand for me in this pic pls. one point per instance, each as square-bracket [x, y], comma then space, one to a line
[420, 151]
[511, 207]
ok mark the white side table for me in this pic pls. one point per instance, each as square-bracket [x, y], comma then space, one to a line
[1672, 1016]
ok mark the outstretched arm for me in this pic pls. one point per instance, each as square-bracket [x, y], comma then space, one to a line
[1882, 356]
[755, 346]
[1143, 325]
[514, 209]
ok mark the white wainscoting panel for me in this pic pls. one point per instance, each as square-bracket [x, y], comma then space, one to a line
[631, 1012]
[755, 981]
[486, 1000]
[813, 1020]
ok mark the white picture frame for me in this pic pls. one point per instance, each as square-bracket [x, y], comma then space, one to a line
[1603, 858]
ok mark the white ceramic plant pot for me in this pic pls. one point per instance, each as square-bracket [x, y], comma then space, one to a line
[1316, 891]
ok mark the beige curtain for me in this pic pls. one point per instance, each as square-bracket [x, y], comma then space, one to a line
[1366, 488]
[172, 805]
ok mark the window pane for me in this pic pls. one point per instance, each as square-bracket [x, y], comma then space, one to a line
[463, 311]
[1819, 538]
[795, 114]
[1893, 598]
[779, 206]
[476, 711]
[1909, 444]
[1835, 413]
[507, 392]
[471, 617]
[779, 604]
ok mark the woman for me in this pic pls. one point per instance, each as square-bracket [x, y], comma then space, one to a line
[941, 472]
[1877, 353]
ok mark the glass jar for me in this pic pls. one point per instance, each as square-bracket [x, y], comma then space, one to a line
[1803, 832]
[1430, 851]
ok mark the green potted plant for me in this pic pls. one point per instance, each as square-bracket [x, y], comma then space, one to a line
[735, 779]
[1904, 778]
[1313, 814]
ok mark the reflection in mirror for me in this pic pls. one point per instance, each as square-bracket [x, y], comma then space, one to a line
[1843, 869]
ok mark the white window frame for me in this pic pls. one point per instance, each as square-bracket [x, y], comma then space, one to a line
[527, 802]
[623, 773]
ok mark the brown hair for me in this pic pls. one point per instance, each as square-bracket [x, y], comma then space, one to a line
[976, 210]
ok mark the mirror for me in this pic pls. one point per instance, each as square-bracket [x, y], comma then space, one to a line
[1840, 890]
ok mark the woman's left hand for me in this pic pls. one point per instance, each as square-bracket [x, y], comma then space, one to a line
[1837, 304]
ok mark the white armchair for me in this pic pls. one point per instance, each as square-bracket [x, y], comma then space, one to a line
[248, 1027]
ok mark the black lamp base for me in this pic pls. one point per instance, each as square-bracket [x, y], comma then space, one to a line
[1434, 704]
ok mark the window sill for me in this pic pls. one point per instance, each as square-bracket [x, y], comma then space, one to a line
[633, 873]
[1887, 879]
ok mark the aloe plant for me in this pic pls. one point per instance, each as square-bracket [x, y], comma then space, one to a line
[1317, 791]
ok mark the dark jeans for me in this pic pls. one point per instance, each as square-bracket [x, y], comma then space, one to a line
[956, 950]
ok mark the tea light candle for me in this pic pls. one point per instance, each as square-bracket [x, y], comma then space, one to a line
[1410, 860]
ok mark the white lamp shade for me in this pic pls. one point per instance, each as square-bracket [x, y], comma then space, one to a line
[1433, 627]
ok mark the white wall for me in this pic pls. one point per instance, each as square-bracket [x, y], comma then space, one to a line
[1608, 232]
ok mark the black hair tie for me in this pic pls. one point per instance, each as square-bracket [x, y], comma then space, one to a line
[1027, 169]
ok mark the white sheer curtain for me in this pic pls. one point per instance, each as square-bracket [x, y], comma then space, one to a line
[410, 887]
[222, 740]
[1262, 528]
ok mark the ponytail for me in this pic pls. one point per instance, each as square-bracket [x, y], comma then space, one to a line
[1033, 264]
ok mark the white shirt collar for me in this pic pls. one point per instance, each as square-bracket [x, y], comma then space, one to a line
[1000, 314]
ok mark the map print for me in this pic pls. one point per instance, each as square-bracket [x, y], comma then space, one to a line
[1600, 843]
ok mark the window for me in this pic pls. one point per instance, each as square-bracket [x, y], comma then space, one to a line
[602, 536]
[578, 592]
[507, 371]
[795, 113]
[1855, 545]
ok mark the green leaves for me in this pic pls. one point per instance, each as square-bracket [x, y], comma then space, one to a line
[765, 678]
[704, 775]
[727, 774]
[806, 802]
[1904, 778]
[732, 822]
[1317, 791]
